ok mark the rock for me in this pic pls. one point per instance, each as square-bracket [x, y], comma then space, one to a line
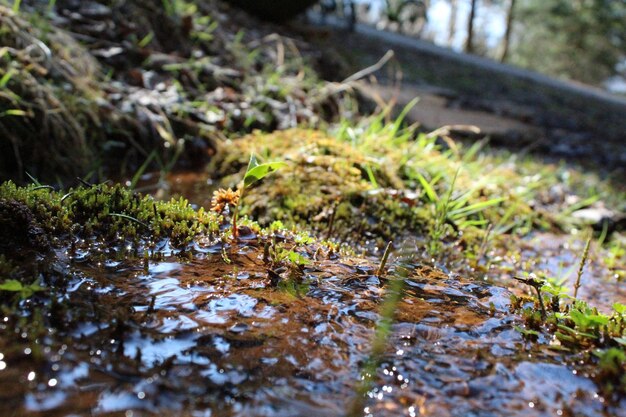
[598, 216]
[95, 10]
[20, 232]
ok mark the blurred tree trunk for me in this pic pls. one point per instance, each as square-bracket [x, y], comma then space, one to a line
[506, 41]
[469, 42]
[454, 8]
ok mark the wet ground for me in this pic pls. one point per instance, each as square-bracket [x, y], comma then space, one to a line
[216, 333]
[558, 258]
[552, 255]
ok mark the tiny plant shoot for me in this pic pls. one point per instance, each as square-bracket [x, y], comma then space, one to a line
[254, 173]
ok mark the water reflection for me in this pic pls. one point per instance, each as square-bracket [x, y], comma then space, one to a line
[210, 338]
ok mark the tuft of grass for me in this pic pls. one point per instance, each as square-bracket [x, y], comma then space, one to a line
[442, 208]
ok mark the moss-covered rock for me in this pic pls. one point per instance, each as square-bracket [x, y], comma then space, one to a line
[20, 231]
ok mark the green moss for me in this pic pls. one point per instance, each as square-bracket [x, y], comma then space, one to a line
[112, 213]
[326, 187]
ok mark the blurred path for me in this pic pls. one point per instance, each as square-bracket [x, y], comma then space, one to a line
[396, 39]
[432, 111]
[519, 109]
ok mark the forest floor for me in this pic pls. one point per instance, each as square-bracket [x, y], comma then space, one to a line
[255, 232]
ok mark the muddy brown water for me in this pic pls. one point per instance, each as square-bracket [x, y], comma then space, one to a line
[212, 336]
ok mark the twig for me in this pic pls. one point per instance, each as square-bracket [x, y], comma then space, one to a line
[350, 82]
[127, 217]
[331, 221]
[42, 187]
[66, 196]
[483, 245]
[371, 69]
[85, 183]
[445, 130]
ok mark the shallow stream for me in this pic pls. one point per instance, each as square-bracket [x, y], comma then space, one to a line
[213, 334]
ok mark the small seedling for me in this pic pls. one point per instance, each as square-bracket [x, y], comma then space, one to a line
[25, 291]
[254, 173]
[297, 259]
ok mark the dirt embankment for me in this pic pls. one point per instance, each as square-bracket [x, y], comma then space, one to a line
[100, 87]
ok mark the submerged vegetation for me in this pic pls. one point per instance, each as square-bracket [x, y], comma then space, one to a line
[378, 260]
[576, 327]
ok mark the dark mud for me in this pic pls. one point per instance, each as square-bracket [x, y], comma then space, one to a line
[219, 334]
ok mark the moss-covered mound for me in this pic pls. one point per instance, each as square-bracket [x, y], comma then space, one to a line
[328, 186]
[371, 187]
[376, 181]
